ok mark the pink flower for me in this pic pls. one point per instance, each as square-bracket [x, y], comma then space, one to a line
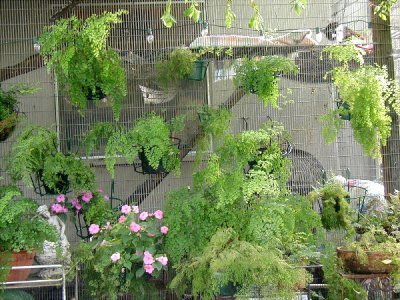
[163, 260]
[106, 198]
[108, 226]
[126, 209]
[148, 269]
[164, 229]
[100, 191]
[158, 214]
[75, 203]
[58, 208]
[121, 219]
[115, 257]
[135, 209]
[135, 227]
[151, 235]
[86, 196]
[94, 228]
[143, 216]
[60, 198]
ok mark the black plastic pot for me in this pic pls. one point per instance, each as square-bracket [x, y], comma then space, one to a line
[98, 95]
[147, 168]
[41, 188]
[345, 105]
[200, 69]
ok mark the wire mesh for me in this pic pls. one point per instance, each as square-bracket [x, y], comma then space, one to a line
[304, 97]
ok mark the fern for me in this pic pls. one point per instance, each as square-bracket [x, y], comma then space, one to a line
[78, 53]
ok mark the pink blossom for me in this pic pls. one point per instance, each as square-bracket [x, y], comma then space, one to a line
[163, 260]
[151, 235]
[115, 257]
[65, 210]
[148, 269]
[143, 216]
[158, 214]
[94, 228]
[126, 209]
[164, 229]
[135, 227]
[106, 198]
[86, 196]
[100, 191]
[60, 198]
[75, 203]
[108, 226]
[135, 209]
[121, 219]
[58, 208]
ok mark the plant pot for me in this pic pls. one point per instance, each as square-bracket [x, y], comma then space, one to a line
[374, 265]
[41, 188]
[345, 105]
[98, 95]
[7, 126]
[5, 133]
[199, 71]
[22, 258]
[147, 168]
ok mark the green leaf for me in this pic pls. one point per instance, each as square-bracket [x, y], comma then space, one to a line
[127, 264]
[139, 272]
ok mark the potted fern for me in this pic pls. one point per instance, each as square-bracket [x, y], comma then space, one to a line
[85, 65]
[238, 229]
[35, 159]
[150, 138]
[22, 232]
[9, 108]
[261, 76]
[366, 93]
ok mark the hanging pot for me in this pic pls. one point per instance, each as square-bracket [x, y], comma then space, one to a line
[41, 188]
[346, 115]
[199, 71]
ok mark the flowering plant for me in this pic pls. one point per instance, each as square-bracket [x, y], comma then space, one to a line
[87, 208]
[123, 255]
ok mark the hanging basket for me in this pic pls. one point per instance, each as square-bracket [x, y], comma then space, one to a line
[145, 168]
[199, 71]
[152, 96]
[7, 126]
[344, 116]
[42, 189]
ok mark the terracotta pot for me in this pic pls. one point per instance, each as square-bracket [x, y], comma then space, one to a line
[22, 258]
[374, 265]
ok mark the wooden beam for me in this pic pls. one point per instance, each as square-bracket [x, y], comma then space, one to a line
[29, 64]
[63, 12]
[383, 51]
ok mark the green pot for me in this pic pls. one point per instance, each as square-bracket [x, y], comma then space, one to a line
[228, 290]
[200, 69]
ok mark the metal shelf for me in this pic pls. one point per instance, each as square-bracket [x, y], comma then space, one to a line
[37, 283]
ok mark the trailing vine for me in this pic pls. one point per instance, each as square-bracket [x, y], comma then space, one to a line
[368, 93]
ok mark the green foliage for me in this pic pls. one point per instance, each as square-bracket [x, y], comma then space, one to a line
[235, 226]
[114, 259]
[214, 121]
[78, 53]
[167, 18]
[261, 76]
[21, 228]
[229, 259]
[339, 288]
[230, 16]
[177, 66]
[384, 8]
[35, 154]
[192, 11]
[150, 135]
[335, 208]
[368, 93]
[9, 104]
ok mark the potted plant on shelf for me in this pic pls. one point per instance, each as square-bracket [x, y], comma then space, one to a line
[150, 138]
[125, 255]
[366, 94]
[87, 68]
[239, 229]
[9, 112]
[35, 159]
[376, 249]
[22, 232]
[261, 76]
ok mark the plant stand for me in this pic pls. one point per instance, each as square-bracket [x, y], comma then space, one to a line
[38, 283]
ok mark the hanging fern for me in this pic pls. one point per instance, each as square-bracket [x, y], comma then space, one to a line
[83, 62]
[368, 93]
